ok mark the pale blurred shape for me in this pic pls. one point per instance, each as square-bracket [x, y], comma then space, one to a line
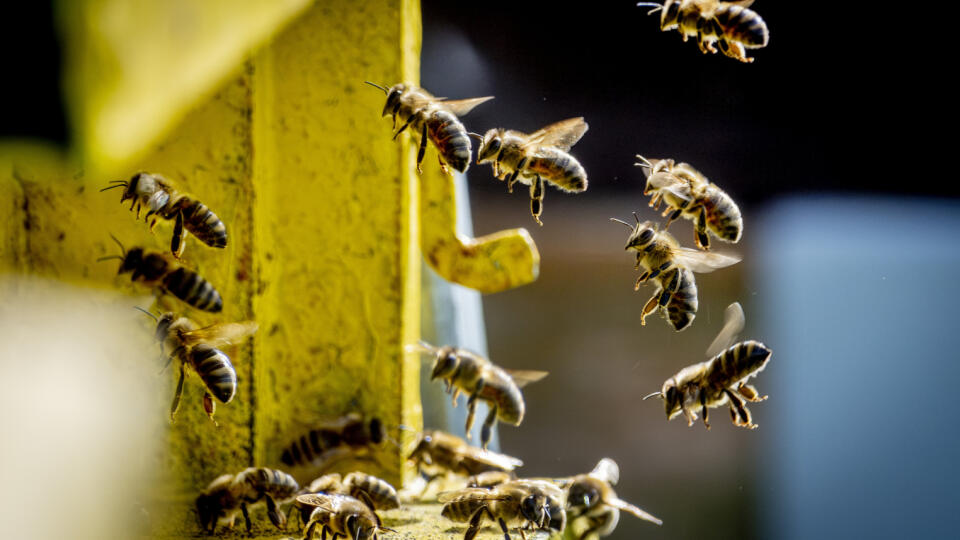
[78, 411]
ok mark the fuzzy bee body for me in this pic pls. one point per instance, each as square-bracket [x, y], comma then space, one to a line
[516, 504]
[592, 500]
[341, 515]
[731, 25]
[542, 156]
[682, 306]
[157, 269]
[439, 453]
[688, 193]
[468, 372]
[432, 118]
[350, 432]
[230, 495]
[161, 199]
[381, 493]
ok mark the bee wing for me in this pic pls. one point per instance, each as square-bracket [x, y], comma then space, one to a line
[607, 469]
[461, 107]
[501, 461]
[671, 184]
[742, 3]
[479, 494]
[314, 499]
[218, 335]
[703, 261]
[524, 377]
[563, 134]
[639, 512]
[733, 322]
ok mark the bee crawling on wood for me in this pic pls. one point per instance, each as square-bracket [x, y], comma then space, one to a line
[229, 495]
[467, 371]
[542, 156]
[434, 118]
[687, 193]
[671, 267]
[731, 25]
[720, 380]
[342, 515]
[158, 195]
[592, 500]
[159, 270]
[197, 348]
[521, 504]
[381, 494]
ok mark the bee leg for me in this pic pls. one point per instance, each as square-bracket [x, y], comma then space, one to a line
[536, 199]
[672, 286]
[673, 217]
[456, 394]
[700, 231]
[641, 280]
[422, 150]
[742, 412]
[210, 407]
[176, 396]
[688, 414]
[246, 518]
[179, 241]
[475, 521]
[703, 408]
[516, 174]
[523, 534]
[311, 528]
[486, 432]
[443, 166]
[649, 308]
[750, 393]
[402, 129]
[276, 516]
[471, 413]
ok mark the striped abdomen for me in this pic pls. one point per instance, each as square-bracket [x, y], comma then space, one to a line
[737, 23]
[216, 371]
[723, 215]
[450, 138]
[311, 446]
[738, 362]
[507, 397]
[277, 484]
[462, 508]
[202, 223]
[188, 286]
[559, 168]
[381, 493]
[683, 304]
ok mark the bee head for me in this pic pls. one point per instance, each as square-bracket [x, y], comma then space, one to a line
[445, 363]
[163, 325]
[209, 510]
[490, 145]
[643, 234]
[360, 528]
[393, 98]
[376, 431]
[672, 399]
[670, 14]
[582, 495]
[131, 260]
[534, 509]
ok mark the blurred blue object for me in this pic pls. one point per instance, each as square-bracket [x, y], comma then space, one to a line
[857, 297]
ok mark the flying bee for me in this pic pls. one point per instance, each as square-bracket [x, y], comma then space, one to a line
[535, 158]
[686, 192]
[720, 380]
[522, 504]
[591, 499]
[229, 494]
[349, 434]
[433, 117]
[160, 270]
[158, 195]
[439, 453]
[671, 267]
[467, 371]
[731, 25]
[196, 348]
[342, 515]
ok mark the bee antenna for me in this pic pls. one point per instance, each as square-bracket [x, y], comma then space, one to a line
[113, 186]
[476, 136]
[629, 226]
[122, 249]
[646, 164]
[108, 257]
[388, 529]
[659, 394]
[421, 346]
[154, 317]
[375, 85]
[656, 7]
[636, 217]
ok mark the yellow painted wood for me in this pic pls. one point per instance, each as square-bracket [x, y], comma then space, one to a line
[492, 263]
[135, 67]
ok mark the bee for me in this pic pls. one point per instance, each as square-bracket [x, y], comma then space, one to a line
[382, 495]
[433, 117]
[731, 25]
[591, 498]
[522, 504]
[158, 269]
[334, 440]
[686, 192]
[438, 453]
[535, 158]
[671, 267]
[342, 515]
[158, 195]
[196, 348]
[229, 494]
[720, 380]
[467, 371]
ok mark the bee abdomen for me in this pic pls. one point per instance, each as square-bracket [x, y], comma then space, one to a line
[204, 224]
[310, 446]
[560, 169]
[742, 25]
[278, 484]
[742, 360]
[216, 371]
[683, 304]
[451, 140]
[723, 215]
[383, 495]
[460, 509]
[190, 287]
